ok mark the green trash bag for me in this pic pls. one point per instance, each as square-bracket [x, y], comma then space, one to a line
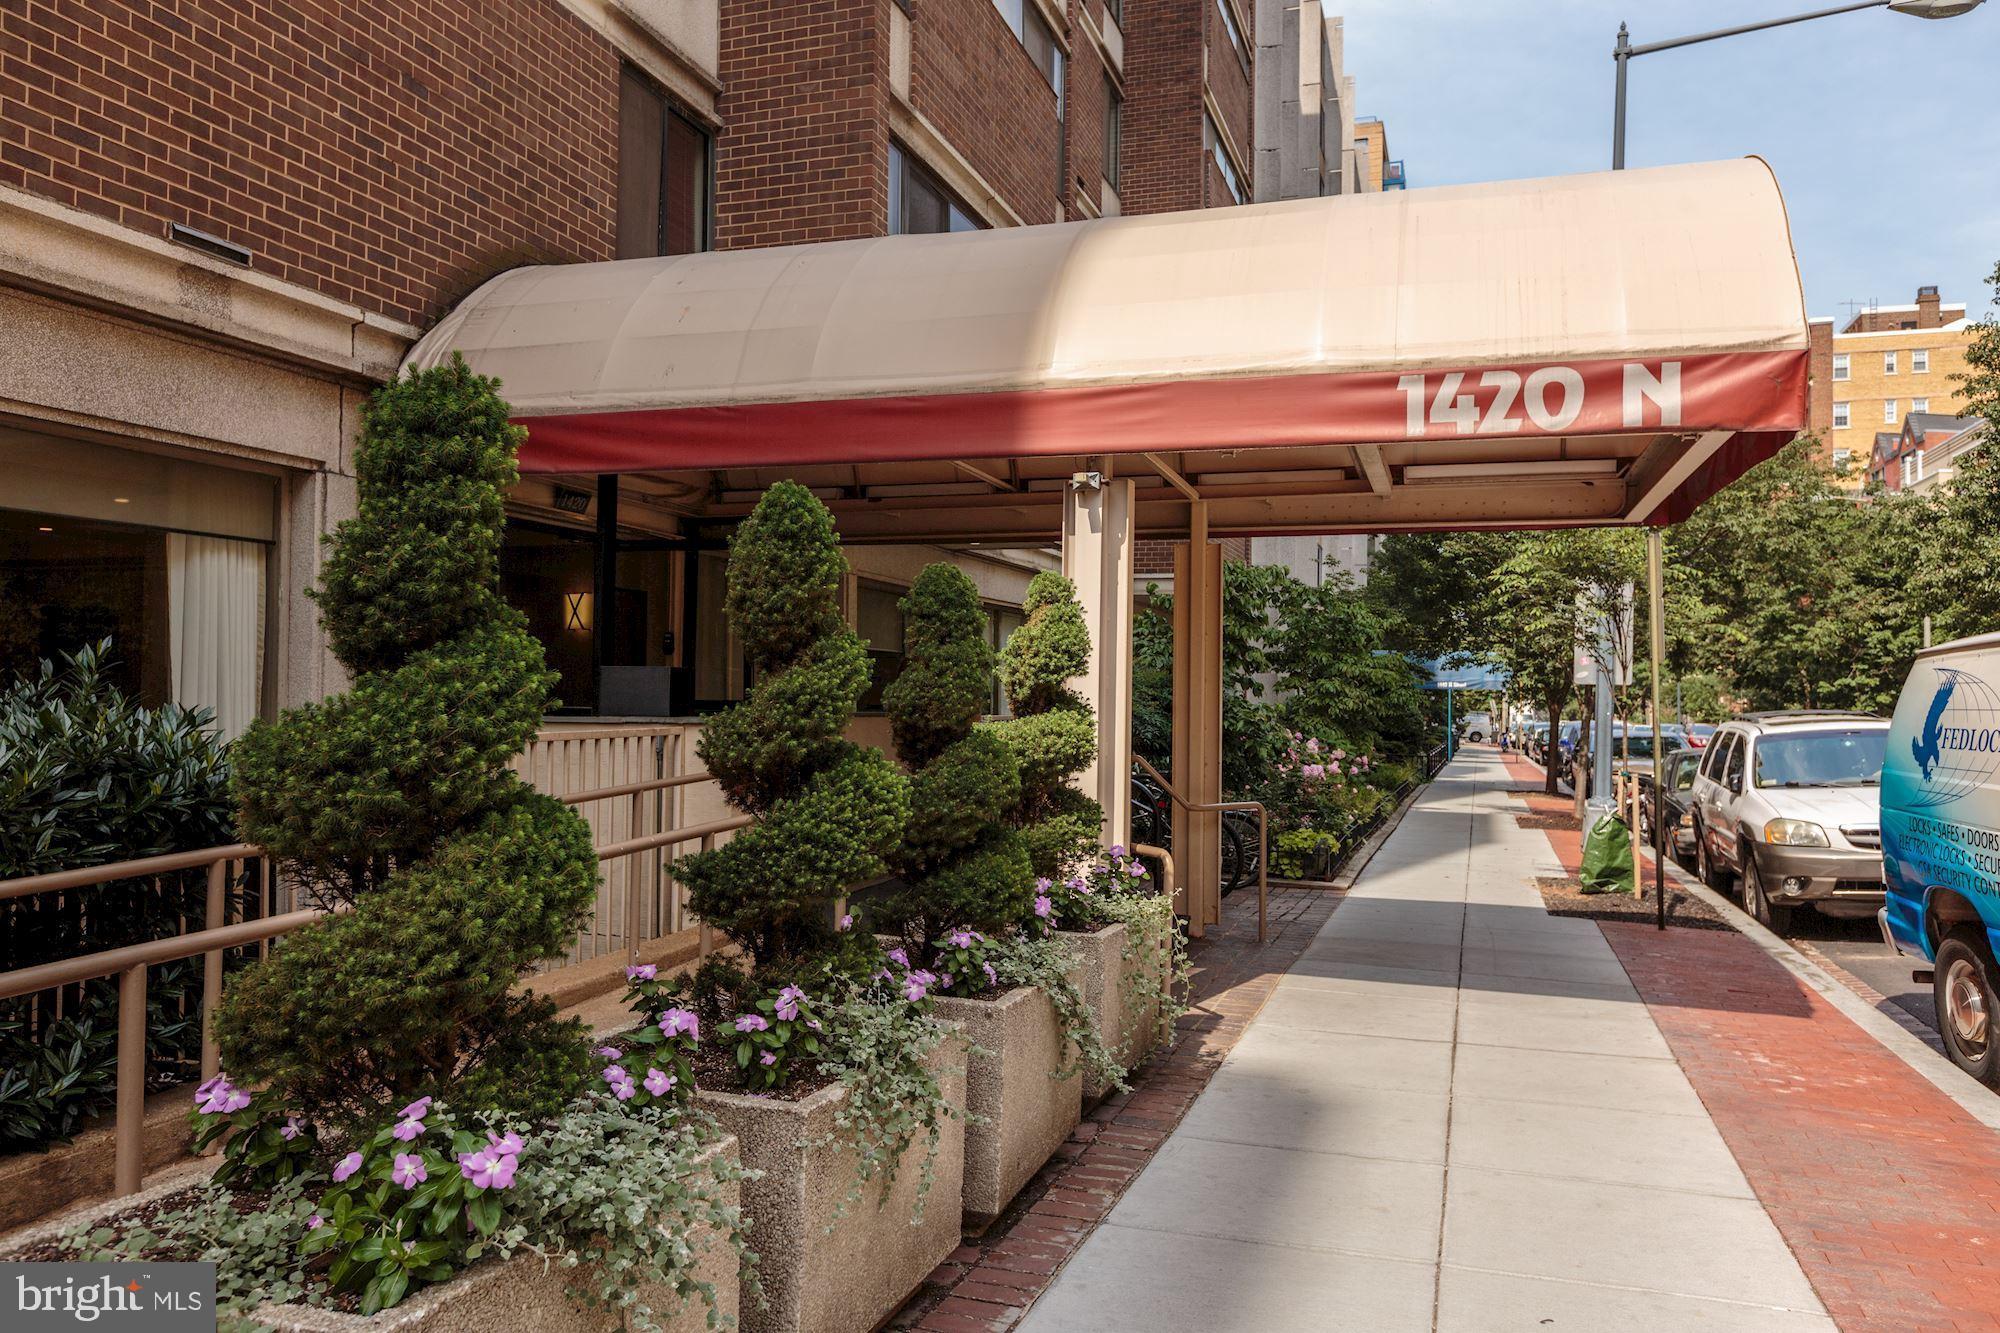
[1607, 857]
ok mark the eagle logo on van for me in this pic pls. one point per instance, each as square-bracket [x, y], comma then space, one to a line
[1957, 751]
[1925, 748]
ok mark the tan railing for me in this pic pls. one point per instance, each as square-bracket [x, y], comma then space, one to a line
[129, 963]
[1217, 807]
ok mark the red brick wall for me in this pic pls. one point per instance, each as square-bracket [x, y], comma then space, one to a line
[1084, 115]
[392, 155]
[1163, 156]
[971, 77]
[804, 152]
[1230, 87]
[1153, 558]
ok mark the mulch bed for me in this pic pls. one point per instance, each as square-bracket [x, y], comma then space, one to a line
[1539, 820]
[1565, 897]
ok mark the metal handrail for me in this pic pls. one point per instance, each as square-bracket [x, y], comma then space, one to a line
[141, 868]
[1207, 807]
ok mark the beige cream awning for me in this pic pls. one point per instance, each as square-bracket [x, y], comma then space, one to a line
[1655, 304]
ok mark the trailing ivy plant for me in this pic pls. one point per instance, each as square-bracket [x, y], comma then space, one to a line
[1043, 962]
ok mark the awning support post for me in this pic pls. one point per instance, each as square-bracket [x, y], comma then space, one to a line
[604, 593]
[1097, 554]
[1197, 769]
[1656, 616]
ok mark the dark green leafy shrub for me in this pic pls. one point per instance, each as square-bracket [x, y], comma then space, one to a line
[828, 810]
[88, 776]
[395, 799]
[960, 864]
[1052, 734]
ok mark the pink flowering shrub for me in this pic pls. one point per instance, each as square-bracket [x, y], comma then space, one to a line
[262, 1145]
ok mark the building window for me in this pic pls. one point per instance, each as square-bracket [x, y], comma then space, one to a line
[1114, 108]
[1840, 416]
[663, 201]
[1920, 361]
[1025, 18]
[1888, 363]
[168, 560]
[1116, 9]
[1840, 370]
[549, 574]
[1888, 411]
[1211, 140]
[1920, 404]
[879, 620]
[1234, 28]
[918, 202]
[1001, 622]
[1842, 460]
[1913, 467]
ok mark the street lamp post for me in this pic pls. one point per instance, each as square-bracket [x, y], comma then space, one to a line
[1625, 50]
[1622, 54]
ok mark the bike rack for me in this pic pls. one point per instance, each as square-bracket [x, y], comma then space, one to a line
[1216, 807]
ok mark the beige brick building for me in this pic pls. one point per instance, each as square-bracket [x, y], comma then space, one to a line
[1883, 364]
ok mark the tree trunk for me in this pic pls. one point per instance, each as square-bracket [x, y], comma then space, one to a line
[1555, 702]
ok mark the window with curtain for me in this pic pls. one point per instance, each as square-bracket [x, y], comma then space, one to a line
[663, 204]
[169, 559]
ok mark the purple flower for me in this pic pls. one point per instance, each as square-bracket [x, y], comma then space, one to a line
[767, 1059]
[1118, 850]
[487, 1169]
[417, 1109]
[615, 1074]
[964, 939]
[681, 1020]
[846, 922]
[813, 1023]
[788, 1002]
[408, 1129]
[992, 977]
[658, 1082]
[210, 1085]
[1043, 885]
[751, 1023]
[507, 1145]
[610, 1052]
[917, 985]
[409, 1170]
[348, 1166]
[222, 1097]
[293, 1128]
[624, 1091]
[1043, 906]
[899, 958]
[643, 972]
[315, 1222]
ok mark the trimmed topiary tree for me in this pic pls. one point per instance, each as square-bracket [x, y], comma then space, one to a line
[395, 800]
[828, 811]
[1053, 734]
[960, 864]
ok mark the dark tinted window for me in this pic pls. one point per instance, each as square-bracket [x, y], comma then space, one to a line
[919, 203]
[662, 174]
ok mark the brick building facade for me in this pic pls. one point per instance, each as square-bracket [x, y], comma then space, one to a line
[1881, 366]
[225, 222]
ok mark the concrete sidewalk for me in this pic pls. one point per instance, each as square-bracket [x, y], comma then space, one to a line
[1455, 1113]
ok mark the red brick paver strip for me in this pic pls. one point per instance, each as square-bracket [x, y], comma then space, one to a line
[1887, 1191]
[987, 1284]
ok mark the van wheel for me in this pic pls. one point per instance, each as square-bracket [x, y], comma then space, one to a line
[1757, 902]
[1967, 996]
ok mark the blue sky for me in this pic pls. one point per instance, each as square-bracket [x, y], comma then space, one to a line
[1884, 130]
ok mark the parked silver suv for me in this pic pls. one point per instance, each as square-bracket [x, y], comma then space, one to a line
[1786, 803]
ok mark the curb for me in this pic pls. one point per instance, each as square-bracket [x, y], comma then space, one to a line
[1972, 1096]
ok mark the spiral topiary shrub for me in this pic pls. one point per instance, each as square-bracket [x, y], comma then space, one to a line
[960, 864]
[1053, 734]
[828, 811]
[394, 799]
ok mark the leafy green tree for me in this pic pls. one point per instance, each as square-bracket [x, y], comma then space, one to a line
[1053, 733]
[960, 864]
[1533, 625]
[395, 800]
[1429, 589]
[1958, 559]
[828, 811]
[1336, 680]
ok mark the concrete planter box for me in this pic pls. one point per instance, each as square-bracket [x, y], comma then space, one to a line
[1130, 1030]
[521, 1292]
[1026, 1112]
[853, 1277]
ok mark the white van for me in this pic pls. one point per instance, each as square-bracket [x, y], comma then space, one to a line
[1477, 727]
[1941, 841]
